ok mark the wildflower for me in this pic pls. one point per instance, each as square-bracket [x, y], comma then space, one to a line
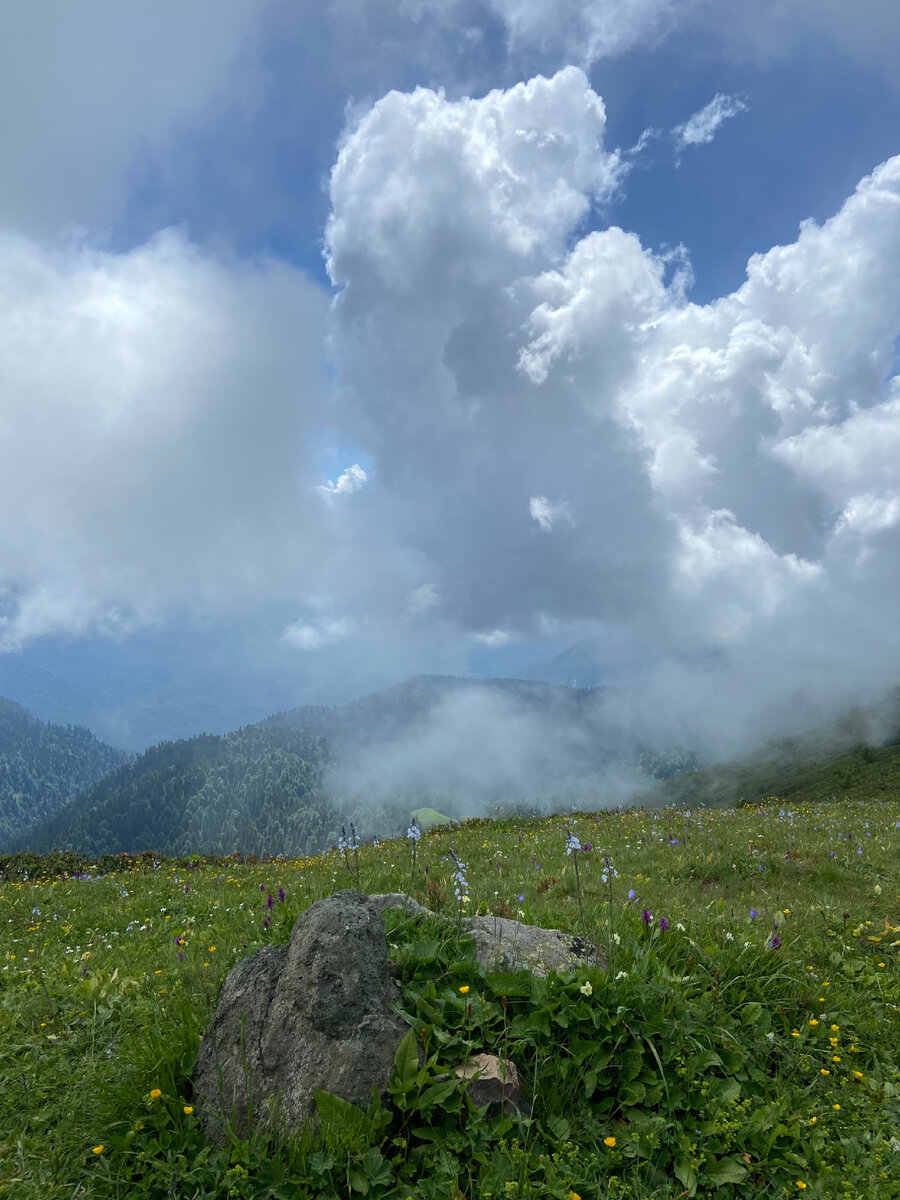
[464, 990]
[813, 1021]
[795, 1033]
[573, 845]
[281, 894]
[646, 916]
[632, 894]
[574, 1196]
[859, 1074]
[414, 831]
[97, 1149]
[663, 924]
[836, 1107]
[753, 914]
[774, 942]
[586, 989]
[813, 1120]
[188, 1109]
[824, 1071]
[609, 1141]
[460, 885]
[835, 1028]
[801, 1185]
[212, 949]
[155, 1093]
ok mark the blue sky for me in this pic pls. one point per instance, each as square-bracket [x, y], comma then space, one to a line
[488, 425]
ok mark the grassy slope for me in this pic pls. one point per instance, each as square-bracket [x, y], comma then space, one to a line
[703, 1058]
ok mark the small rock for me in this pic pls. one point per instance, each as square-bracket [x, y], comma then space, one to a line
[505, 945]
[493, 1081]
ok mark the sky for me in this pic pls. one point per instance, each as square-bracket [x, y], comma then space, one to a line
[352, 339]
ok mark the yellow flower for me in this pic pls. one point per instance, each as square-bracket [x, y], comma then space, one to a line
[610, 1141]
[801, 1185]
[795, 1033]
[586, 989]
[836, 1107]
[881, 964]
[835, 1028]
[786, 911]
[574, 1196]
[212, 949]
[835, 1058]
[823, 1071]
[188, 1109]
[814, 1021]
[97, 1149]
[813, 1120]
[155, 1093]
[464, 989]
[859, 1074]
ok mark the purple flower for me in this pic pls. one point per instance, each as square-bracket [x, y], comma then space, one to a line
[753, 914]
[632, 894]
[270, 903]
[262, 887]
[266, 923]
[774, 942]
[664, 923]
[281, 894]
[181, 956]
[521, 897]
[646, 916]
[187, 888]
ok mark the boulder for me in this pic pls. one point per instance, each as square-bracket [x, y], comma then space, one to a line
[316, 1013]
[505, 945]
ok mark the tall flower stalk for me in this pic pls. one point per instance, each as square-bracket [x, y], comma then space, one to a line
[460, 886]
[573, 846]
[413, 833]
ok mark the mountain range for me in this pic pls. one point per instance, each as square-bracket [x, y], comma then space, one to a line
[287, 784]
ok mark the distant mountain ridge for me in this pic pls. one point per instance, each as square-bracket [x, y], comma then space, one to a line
[44, 766]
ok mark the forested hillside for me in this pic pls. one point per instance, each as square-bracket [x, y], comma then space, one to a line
[254, 791]
[43, 766]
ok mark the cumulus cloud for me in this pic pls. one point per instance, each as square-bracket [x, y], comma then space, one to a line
[702, 126]
[154, 411]
[496, 359]
[348, 482]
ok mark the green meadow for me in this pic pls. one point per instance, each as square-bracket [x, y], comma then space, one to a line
[742, 1042]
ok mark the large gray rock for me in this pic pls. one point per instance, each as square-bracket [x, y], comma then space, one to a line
[316, 1013]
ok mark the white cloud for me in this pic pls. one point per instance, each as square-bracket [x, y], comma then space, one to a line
[152, 433]
[702, 126]
[493, 637]
[348, 482]
[495, 360]
[547, 513]
[303, 635]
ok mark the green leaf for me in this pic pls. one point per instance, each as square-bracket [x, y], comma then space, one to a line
[728, 1090]
[406, 1060]
[726, 1170]
[630, 1065]
[686, 1175]
[707, 1059]
[438, 1092]
[358, 1182]
[632, 1093]
[751, 1013]
[344, 1126]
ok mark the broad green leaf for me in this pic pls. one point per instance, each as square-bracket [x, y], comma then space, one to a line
[406, 1060]
[686, 1175]
[726, 1170]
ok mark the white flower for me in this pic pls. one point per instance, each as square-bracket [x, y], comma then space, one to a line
[680, 928]
[617, 939]
[586, 989]
[622, 975]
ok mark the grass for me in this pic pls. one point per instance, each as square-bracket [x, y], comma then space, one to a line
[749, 1048]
